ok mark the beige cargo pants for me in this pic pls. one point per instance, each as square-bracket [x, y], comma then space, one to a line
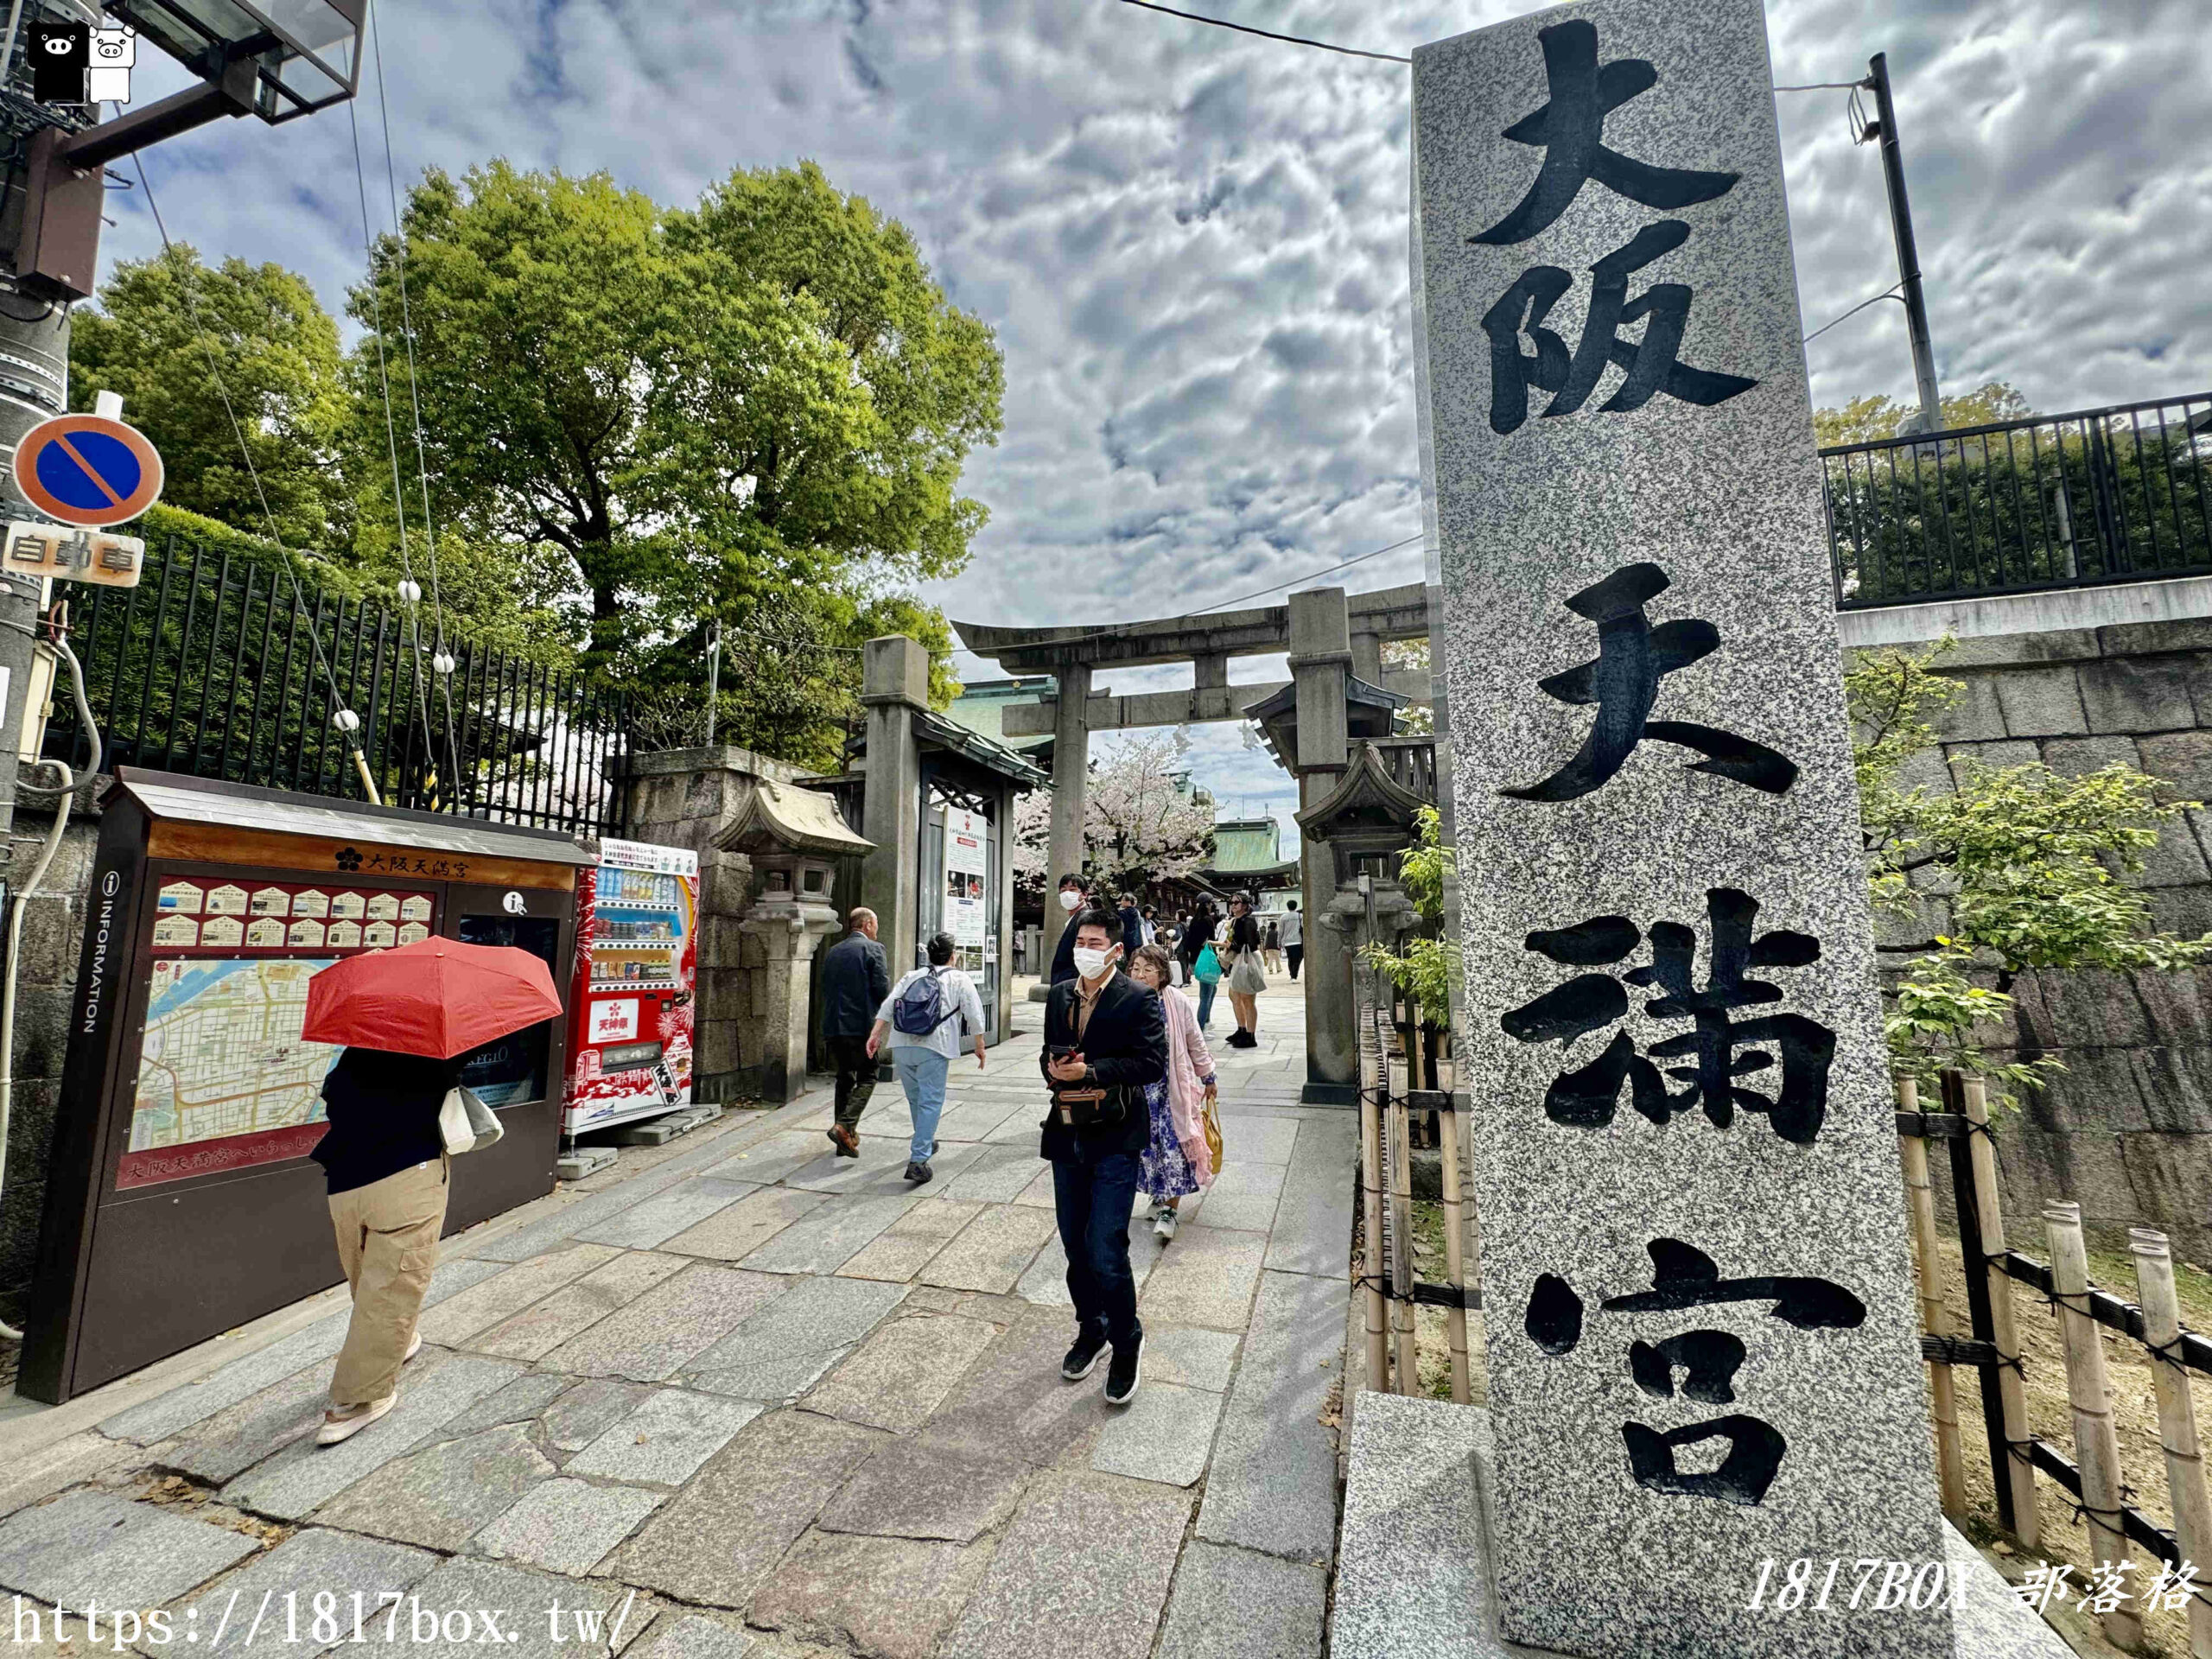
[388, 1244]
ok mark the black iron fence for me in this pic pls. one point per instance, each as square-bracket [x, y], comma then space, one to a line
[210, 666]
[2102, 495]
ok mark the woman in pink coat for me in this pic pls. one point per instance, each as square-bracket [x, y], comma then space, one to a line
[1176, 1162]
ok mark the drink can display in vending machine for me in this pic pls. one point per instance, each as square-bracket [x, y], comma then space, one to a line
[636, 967]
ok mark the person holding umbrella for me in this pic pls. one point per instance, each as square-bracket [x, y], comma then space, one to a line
[409, 1019]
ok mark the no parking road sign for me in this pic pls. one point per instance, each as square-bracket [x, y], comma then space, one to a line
[88, 470]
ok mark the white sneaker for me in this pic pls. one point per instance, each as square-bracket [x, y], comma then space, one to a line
[1164, 1222]
[335, 1429]
[414, 1347]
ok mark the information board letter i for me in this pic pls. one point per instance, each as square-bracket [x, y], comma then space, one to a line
[1702, 1345]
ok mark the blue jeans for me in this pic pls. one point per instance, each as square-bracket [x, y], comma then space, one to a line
[1093, 1192]
[921, 1074]
[1205, 1001]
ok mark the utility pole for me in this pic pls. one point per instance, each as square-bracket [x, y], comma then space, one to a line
[1915, 304]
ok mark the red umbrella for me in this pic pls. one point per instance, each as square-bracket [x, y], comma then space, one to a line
[437, 997]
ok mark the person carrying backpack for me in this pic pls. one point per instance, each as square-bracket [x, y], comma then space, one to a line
[923, 1019]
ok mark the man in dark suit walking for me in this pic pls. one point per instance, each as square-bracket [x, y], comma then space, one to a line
[1105, 1039]
[854, 982]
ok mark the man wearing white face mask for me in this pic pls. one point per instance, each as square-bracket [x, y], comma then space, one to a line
[1105, 1040]
[1074, 902]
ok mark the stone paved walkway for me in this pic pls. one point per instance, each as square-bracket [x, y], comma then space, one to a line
[742, 1396]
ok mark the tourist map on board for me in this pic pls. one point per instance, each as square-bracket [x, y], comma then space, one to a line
[225, 1080]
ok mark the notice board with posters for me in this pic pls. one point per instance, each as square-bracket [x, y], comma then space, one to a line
[183, 1200]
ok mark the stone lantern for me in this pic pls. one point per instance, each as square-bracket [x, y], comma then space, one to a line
[794, 838]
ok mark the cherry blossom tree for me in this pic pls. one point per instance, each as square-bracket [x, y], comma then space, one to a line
[1144, 822]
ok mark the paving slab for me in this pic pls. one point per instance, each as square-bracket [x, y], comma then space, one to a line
[1206, 1277]
[440, 1496]
[897, 1377]
[624, 1189]
[507, 1293]
[522, 1599]
[95, 1546]
[903, 1248]
[1031, 1604]
[79, 1457]
[1273, 1486]
[825, 1240]
[1013, 1402]
[771, 1379]
[566, 1526]
[880, 1169]
[806, 1315]
[1162, 1435]
[232, 1442]
[644, 1226]
[1232, 1211]
[304, 1475]
[745, 1225]
[304, 1566]
[1232, 1604]
[1189, 1357]
[1046, 1280]
[973, 1116]
[921, 1488]
[520, 1402]
[1251, 1140]
[772, 1160]
[693, 1635]
[650, 1340]
[894, 1598]
[1313, 1225]
[717, 1540]
[997, 1173]
[545, 1325]
[248, 1375]
[991, 1253]
[662, 1442]
[1038, 1193]
[587, 1410]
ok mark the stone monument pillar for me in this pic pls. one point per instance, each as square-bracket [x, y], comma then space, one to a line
[1070, 776]
[1320, 659]
[894, 682]
[1702, 1343]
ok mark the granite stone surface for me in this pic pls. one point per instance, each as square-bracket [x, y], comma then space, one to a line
[1162, 1435]
[991, 1252]
[1233, 1603]
[692, 1636]
[644, 1226]
[716, 1542]
[921, 1488]
[745, 1225]
[1191, 1359]
[304, 1566]
[1034, 1604]
[895, 1379]
[589, 1409]
[1273, 1486]
[808, 1315]
[167, 1414]
[826, 1239]
[506, 1293]
[653, 1337]
[893, 1598]
[905, 1248]
[232, 1441]
[565, 1526]
[545, 1325]
[94, 1546]
[438, 1498]
[667, 1437]
[1204, 1277]
[522, 1602]
[1628, 914]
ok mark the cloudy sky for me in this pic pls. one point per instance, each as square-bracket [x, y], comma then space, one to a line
[1191, 244]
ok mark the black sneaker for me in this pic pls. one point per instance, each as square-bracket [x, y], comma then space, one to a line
[1125, 1373]
[917, 1174]
[1082, 1358]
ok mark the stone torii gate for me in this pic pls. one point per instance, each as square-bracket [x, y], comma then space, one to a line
[1334, 642]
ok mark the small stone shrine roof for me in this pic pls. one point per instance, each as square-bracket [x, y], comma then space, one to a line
[779, 817]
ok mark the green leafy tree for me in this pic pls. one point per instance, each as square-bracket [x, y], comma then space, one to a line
[2017, 869]
[278, 353]
[751, 413]
[1424, 970]
[1863, 420]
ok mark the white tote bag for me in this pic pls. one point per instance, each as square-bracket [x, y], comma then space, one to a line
[465, 1123]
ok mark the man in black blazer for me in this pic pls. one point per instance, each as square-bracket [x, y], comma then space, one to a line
[1103, 1030]
[854, 982]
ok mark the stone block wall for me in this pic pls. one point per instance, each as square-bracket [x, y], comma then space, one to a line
[46, 982]
[2126, 1130]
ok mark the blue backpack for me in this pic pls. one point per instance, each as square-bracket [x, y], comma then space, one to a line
[920, 1008]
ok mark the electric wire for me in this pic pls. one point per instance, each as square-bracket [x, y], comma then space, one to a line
[299, 598]
[414, 396]
[391, 440]
[1268, 34]
[1889, 293]
[1823, 86]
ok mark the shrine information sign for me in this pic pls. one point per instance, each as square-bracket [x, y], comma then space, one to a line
[1702, 1345]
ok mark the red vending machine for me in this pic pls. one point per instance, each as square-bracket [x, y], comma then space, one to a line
[637, 958]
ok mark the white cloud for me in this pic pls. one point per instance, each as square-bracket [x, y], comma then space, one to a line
[1191, 244]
